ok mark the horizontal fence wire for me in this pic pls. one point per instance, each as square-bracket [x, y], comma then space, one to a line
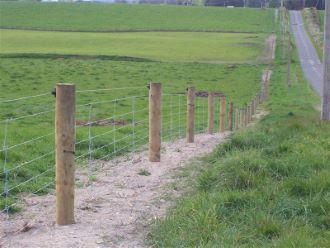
[111, 101]
[28, 141]
[105, 129]
[24, 98]
[111, 89]
[27, 116]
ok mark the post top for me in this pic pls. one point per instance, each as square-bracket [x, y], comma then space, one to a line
[65, 84]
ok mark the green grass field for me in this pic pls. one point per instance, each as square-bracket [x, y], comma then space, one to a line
[32, 62]
[204, 47]
[112, 17]
[24, 77]
[268, 186]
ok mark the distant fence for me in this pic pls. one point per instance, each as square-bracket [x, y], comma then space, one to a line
[85, 137]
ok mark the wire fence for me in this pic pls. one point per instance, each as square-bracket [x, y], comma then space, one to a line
[114, 125]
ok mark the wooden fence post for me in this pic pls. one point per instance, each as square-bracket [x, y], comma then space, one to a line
[222, 114]
[242, 118]
[210, 113]
[155, 95]
[246, 117]
[65, 150]
[253, 106]
[190, 114]
[236, 118]
[230, 117]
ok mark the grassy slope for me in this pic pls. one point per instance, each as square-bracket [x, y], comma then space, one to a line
[107, 17]
[156, 46]
[269, 186]
[321, 14]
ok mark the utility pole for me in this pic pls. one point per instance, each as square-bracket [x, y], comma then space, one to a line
[325, 115]
[289, 62]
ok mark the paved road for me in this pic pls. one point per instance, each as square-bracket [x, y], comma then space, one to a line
[309, 59]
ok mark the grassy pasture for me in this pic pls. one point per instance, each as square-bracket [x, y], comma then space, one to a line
[23, 77]
[112, 17]
[168, 46]
[32, 62]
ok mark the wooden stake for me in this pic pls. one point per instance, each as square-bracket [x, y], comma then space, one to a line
[289, 63]
[222, 114]
[242, 118]
[236, 118]
[246, 119]
[230, 117]
[210, 113]
[190, 114]
[155, 94]
[65, 149]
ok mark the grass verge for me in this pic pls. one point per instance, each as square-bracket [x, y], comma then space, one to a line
[268, 186]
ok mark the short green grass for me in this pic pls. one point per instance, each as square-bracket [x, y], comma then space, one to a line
[268, 186]
[168, 46]
[112, 17]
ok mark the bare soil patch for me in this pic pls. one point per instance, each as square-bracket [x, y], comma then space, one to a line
[116, 209]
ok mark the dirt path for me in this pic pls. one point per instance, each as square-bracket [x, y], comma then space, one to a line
[115, 210]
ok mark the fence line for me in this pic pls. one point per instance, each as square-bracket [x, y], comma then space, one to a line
[24, 98]
[126, 129]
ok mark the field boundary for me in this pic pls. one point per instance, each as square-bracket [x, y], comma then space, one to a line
[129, 191]
[133, 30]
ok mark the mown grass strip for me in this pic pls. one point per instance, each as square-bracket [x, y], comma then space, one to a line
[168, 46]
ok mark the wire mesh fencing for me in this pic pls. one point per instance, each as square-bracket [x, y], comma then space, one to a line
[109, 123]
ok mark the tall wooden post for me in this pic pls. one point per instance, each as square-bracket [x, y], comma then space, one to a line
[267, 84]
[250, 112]
[222, 114]
[65, 150]
[289, 63]
[325, 114]
[242, 118]
[236, 118]
[230, 117]
[210, 121]
[246, 117]
[155, 95]
[190, 114]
